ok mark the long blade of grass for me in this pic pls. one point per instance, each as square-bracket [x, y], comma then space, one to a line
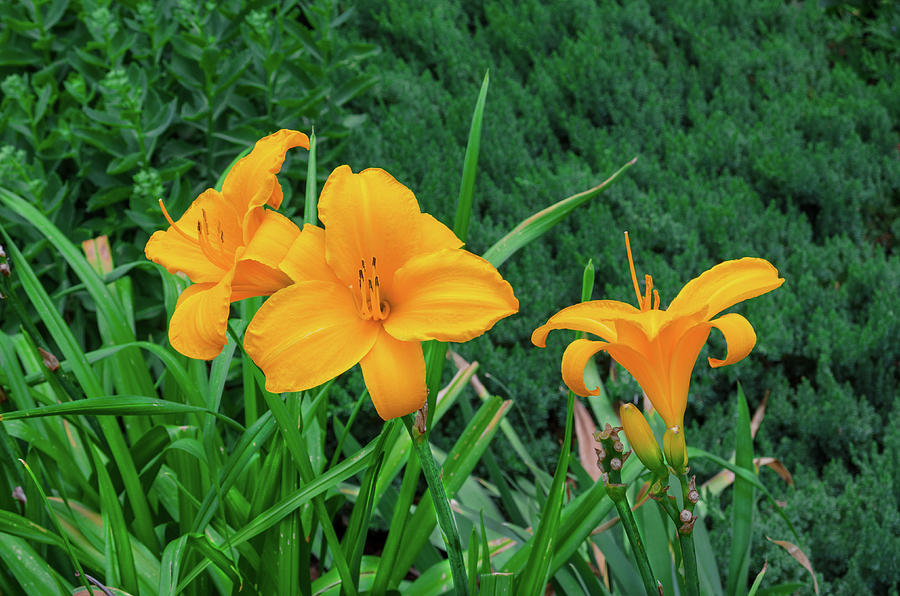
[286, 506]
[297, 447]
[747, 476]
[68, 547]
[538, 223]
[742, 504]
[115, 405]
[131, 372]
[119, 557]
[458, 465]
[470, 166]
[89, 383]
[533, 577]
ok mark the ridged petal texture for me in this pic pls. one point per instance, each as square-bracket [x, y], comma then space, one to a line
[369, 287]
[660, 347]
[229, 245]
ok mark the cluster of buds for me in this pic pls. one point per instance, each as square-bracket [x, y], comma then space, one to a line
[611, 457]
[686, 516]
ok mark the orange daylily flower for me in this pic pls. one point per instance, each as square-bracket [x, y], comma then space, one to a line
[659, 347]
[379, 279]
[228, 245]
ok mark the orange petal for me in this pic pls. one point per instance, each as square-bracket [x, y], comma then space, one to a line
[650, 374]
[726, 284]
[739, 337]
[449, 295]
[595, 317]
[204, 243]
[200, 321]
[307, 334]
[252, 278]
[574, 359]
[273, 238]
[305, 260]
[394, 372]
[681, 364]
[252, 182]
[369, 215]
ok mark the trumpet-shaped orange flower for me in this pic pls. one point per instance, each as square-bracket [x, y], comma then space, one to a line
[379, 279]
[659, 347]
[229, 245]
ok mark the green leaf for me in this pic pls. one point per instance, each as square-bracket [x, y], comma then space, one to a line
[742, 504]
[457, 466]
[538, 223]
[34, 574]
[117, 405]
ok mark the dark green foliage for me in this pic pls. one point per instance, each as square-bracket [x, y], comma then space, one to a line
[764, 129]
[107, 108]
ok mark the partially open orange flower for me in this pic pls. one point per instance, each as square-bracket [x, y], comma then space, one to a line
[379, 279]
[229, 245]
[659, 347]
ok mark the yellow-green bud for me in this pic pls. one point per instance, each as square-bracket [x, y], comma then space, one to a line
[675, 449]
[641, 439]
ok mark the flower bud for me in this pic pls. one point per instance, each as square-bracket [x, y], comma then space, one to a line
[675, 449]
[641, 439]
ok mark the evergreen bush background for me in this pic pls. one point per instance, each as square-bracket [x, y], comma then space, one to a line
[764, 129]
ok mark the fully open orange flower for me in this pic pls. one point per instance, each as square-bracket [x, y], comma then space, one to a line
[379, 279]
[229, 245]
[659, 347]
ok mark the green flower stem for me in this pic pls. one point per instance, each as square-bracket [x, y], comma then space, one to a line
[689, 556]
[651, 586]
[445, 518]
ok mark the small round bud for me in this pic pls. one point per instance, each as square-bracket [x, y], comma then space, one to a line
[642, 440]
[4, 269]
[694, 497]
[616, 464]
[685, 516]
[675, 449]
[618, 446]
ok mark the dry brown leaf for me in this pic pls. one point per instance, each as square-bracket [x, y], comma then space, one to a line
[584, 432]
[461, 364]
[725, 478]
[800, 556]
[601, 564]
[758, 416]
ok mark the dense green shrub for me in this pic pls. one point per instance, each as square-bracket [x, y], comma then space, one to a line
[764, 129]
[109, 107]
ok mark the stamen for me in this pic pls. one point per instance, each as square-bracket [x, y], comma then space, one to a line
[637, 290]
[648, 283]
[368, 296]
[172, 223]
[656, 299]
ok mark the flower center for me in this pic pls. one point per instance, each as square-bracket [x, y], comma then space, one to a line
[644, 302]
[211, 243]
[367, 294]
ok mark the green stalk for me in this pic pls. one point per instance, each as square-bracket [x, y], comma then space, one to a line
[689, 556]
[447, 522]
[637, 545]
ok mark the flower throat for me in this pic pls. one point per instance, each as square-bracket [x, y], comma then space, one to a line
[368, 298]
[205, 239]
